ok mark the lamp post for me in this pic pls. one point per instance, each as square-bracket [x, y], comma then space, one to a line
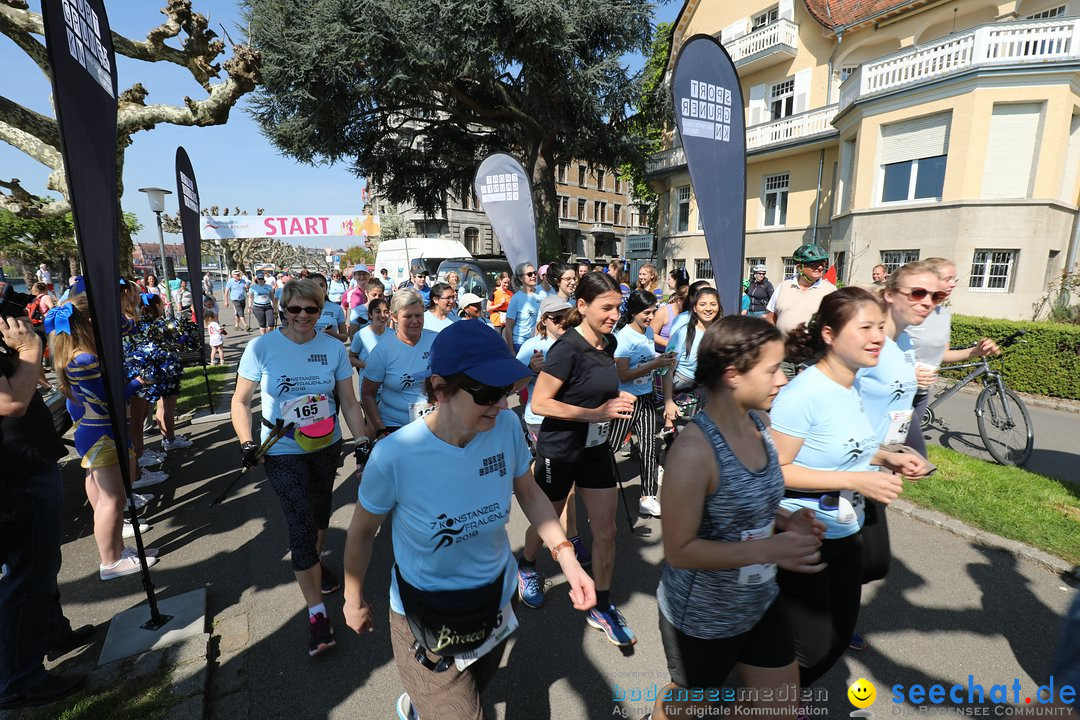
[221, 264]
[156, 196]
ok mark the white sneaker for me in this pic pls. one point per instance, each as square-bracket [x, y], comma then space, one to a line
[649, 505]
[132, 552]
[179, 442]
[660, 476]
[126, 565]
[140, 501]
[129, 529]
[149, 479]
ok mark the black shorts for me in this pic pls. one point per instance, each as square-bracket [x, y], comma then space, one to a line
[239, 305]
[697, 663]
[593, 469]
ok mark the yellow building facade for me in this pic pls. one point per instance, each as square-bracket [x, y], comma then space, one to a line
[888, 131]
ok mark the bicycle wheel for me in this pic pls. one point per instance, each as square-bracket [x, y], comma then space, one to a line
[928, 419]
[1008, 436]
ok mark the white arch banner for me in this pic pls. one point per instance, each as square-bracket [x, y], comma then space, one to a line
[289, 226]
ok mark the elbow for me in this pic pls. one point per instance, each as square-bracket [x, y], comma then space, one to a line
[13, 409]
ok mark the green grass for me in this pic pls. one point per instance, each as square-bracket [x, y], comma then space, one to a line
[1008, 501]
[149, 698]
[193, 388]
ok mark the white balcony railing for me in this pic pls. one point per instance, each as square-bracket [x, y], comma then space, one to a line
[603, 226]
[789, 129]
[780, 33]
[1009, 43]
[669, 159]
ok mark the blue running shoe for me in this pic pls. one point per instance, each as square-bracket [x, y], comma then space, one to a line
[858, 642]
[405, 709]
[612, 622]
[584, 556]
[531, 587]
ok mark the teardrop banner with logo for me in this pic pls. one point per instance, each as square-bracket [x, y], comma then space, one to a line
[187, 191]
[503, 189]
[709, 112]
[80, 51]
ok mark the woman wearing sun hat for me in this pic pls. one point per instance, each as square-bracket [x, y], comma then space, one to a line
[303, 375]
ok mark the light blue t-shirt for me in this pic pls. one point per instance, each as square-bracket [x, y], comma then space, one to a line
[365, 340]
[449, 526]
[236, 289]
[687, 364]
[332, 317]
[359, 315]
[524, 355]
[260, 294]
[524, 310]
[680, 321]
[402, 370]
[286, 370]
[434, 324]
[836, 435]
[639, 348]
[889, 387]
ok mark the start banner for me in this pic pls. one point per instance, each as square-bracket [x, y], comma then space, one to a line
[290, 226]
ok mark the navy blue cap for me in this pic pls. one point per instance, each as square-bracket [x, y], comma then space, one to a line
[474, 348]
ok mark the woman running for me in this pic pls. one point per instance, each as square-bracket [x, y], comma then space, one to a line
[577, 394]
[332, 320]
[649, 280]
[500, 301]
[262, 304]
[303, 376]
[440, 317]
[365, 340]
[719, 601]
[392, 390]
[636, 361]
[480, 451]
[685, 339]
[827, 448]
[565, 280]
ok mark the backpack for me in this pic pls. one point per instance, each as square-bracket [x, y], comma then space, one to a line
[37, 316]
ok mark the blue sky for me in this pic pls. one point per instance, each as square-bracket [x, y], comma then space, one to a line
[234, 164]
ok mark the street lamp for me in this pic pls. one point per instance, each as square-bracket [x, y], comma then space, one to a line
[156, 196]
[221, 262]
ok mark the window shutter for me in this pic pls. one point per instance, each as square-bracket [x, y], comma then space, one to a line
[802, 91]
[757, 104]
[912, 139]
[733, 31]
[787, 9]
[1010, 150]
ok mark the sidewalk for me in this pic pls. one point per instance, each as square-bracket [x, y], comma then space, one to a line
[950, 607]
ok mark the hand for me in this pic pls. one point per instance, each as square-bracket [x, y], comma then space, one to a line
[18, 334]
[805, 521]
[985, 347]
[881, 486]
[906, 464]
[359, 618]
[582, 588]
[671, 413]
[536, 362]
[925, 377]
[796, 552]
[667, 360]
[249, 450]
[621, 407]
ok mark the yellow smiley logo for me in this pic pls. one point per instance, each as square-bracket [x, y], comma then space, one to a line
[862, 693]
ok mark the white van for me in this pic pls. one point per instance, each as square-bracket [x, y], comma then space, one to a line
[400, 254]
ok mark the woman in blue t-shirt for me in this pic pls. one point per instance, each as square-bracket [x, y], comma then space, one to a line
[332, 319]
[718, 597]
[449, 527]
[828, 451]
[365, 340]
[636, 360]
[705, 308]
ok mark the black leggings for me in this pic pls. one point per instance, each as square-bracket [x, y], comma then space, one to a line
[304, 485]
[644, 422]
[823, 607]
[915, 437]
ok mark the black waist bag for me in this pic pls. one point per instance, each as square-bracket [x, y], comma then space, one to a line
[449, 622]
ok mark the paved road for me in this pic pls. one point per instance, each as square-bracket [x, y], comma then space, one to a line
[947, 610]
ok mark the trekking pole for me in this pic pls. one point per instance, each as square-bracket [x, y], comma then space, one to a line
[622, 491]
[277, 431]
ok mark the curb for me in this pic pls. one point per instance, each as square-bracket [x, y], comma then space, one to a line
[961, 529]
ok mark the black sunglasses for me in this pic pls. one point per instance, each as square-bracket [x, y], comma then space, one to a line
[297, 309]
[529, 274]
[919, 293]
[556, 318]
[487, 394]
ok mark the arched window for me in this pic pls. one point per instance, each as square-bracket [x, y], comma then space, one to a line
[472, 240]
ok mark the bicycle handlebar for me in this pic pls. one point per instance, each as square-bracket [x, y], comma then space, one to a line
[1011, 340]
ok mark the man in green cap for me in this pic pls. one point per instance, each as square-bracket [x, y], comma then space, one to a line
[795, 300]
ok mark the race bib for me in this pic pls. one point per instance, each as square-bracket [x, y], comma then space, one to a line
[598, 434]
[760, 572]
[508, 622]
[899, 422]
[306, 410]
[419, 409]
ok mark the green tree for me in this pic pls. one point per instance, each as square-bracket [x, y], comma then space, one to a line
[655, 114]
[356, 254]
[415, 94]
[392, 225]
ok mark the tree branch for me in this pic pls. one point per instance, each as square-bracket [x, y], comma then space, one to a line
[24, 204]
[32, 123]
[21, 25]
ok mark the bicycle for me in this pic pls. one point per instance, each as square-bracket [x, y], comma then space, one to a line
[1003, 419]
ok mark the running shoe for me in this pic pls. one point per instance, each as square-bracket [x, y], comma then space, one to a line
[649, 506]
[132, 552]
[531, 587]
[140, 501]
[405, 709]
[129, 529]
[179, 442]
[584, 555]
[150, 459]
[858, 643]
[149, 478]
[612, 622]
[126, 565]
[330, 582]
[322, 635]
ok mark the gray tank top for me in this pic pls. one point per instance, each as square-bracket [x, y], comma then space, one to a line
[710, 604]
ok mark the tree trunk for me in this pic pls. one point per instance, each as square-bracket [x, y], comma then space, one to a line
[127, 268]
[545, 206]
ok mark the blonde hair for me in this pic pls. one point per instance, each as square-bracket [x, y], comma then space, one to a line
[919, 267]
[64, 347]
[937, 264]
[303, 288]
[209, 316]
[655, 282]
[403, 298]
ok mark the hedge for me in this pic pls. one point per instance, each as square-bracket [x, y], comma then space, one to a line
[1047, 362]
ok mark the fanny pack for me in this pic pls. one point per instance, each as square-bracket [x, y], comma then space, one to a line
[448, 622]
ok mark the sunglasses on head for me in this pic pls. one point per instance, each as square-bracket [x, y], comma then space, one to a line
[918, 293]
[488, 395]
[297, 309]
